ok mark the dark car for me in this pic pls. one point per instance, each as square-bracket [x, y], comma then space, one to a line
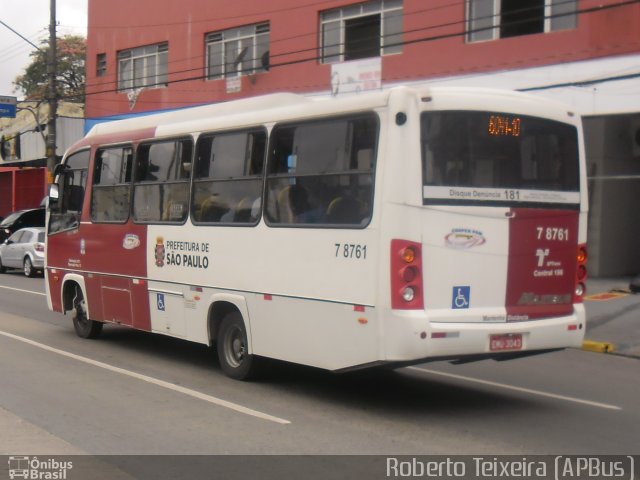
[33, 217]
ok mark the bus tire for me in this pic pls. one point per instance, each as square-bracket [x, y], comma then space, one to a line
[232, 347]
[82, 324]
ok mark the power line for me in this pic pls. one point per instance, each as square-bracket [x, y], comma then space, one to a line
[275, 40]
[339, 27]
[313, 49]
[583, 83]
[217, 19]
[21, 36]
[18, 47]
[314, 58]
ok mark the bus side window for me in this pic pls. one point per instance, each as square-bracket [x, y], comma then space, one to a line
[68, 216]
[321, 172]
[161, 186]
[111, 198]
[227, 185]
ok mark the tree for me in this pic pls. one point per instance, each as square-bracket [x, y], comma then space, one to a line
[71, 50]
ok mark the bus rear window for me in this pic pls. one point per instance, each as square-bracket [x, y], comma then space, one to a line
[498, 158]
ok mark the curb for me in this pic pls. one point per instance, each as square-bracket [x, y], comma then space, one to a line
[599, 347]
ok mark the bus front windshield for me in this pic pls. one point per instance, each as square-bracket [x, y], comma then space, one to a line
[498, 158]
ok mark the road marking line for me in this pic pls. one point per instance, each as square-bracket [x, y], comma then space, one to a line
[519, 389]
[24, 291]
[161, 383]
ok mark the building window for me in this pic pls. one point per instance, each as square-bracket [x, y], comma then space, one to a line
[112, 185]
[359, 31]
[101, 64]
[238, 51]
[161, 184]
[493, 19]
[143, 67]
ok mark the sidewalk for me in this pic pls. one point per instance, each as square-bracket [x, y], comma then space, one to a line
[19, 437]
[614, 320]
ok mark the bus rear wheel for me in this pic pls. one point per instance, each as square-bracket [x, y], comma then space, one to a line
[84, 327]
[233, 348]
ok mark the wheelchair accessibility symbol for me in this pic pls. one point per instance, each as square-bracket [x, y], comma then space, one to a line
[461, 297]
[160, 302]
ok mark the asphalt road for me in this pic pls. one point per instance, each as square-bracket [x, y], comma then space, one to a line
[140, 394]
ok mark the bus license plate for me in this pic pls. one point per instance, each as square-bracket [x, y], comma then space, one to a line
[509, 341]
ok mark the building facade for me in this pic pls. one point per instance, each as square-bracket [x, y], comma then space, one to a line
[24, 178]
[141, 58]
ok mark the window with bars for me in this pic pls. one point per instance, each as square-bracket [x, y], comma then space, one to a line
[238, 51]
[360, 31]
[493, 19]
[143, 67]
[101, 64]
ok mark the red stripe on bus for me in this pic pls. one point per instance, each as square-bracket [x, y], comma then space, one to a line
[542, 263]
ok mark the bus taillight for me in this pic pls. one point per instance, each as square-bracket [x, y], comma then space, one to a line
[581, 274]
[406, 275]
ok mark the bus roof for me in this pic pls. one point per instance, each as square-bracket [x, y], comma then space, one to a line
[278, 106]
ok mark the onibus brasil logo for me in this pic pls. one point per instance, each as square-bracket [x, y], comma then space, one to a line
[37, 469]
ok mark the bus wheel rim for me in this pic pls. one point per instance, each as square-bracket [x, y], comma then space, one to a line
[235, 347]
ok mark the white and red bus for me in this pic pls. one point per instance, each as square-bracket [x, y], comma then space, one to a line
[391, 227]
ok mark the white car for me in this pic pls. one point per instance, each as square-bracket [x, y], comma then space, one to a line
[24, 250]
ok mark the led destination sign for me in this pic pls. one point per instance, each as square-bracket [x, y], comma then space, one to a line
[503, 125]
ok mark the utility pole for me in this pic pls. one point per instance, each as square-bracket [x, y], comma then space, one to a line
[52, 71]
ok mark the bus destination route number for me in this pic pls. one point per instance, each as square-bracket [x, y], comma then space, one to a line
[351, 250]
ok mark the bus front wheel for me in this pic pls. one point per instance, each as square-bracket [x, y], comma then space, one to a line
[84, 327]
[233, 350]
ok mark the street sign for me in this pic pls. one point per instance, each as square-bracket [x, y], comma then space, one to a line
[8, 107]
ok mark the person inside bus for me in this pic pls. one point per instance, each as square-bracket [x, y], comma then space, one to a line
[301, 208]
[213, 209]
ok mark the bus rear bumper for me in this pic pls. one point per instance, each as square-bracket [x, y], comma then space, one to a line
[412, 337]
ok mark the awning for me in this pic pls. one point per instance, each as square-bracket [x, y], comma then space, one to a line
[38, 162]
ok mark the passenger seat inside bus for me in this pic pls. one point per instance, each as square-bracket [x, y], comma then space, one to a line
[245, 211]
[345, 210]
[212, 209]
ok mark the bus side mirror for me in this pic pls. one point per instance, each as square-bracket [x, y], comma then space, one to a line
[58, 169]
[54, 197]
